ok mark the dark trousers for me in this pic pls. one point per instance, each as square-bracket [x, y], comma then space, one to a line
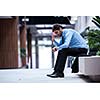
[62, 56]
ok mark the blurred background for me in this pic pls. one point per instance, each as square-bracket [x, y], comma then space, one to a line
[25, 41]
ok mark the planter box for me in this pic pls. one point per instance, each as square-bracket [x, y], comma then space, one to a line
[89, 65]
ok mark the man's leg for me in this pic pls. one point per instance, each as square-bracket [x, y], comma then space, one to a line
[60, 64]
[62, 55]
[75, 67]
[61, 60]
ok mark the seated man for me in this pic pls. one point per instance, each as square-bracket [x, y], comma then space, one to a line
[71, 44]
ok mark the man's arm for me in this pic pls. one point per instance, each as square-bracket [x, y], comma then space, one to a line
[54, 41]
[67, 39]
[55, 48]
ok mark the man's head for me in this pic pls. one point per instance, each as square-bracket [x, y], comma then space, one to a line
[57, 29]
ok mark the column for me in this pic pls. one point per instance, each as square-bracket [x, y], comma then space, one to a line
[8, 43]
[23, 44]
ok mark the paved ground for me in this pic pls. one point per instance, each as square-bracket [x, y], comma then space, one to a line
[39, 76]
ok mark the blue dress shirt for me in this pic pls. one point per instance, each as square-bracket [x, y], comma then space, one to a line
[71, 39]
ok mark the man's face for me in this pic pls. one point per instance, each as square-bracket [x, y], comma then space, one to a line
[57, 33]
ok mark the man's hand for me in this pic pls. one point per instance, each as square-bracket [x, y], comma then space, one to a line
[54, 49]
[53, 36]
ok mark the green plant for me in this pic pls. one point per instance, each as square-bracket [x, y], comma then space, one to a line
[23, 52]
[98, 53]
[96, 21]
[94, 39]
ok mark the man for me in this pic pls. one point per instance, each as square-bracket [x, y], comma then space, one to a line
[71, 44]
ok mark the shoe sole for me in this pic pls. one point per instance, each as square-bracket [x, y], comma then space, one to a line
[55, 76]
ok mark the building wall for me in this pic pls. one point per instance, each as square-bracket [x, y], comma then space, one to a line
[8, 43]
[83, 22]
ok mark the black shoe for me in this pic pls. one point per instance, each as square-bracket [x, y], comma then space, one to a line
[56, 75]
[51, 74]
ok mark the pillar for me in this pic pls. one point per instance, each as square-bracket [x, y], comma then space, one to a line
[8, 43]
[23, 44]
[29, 46]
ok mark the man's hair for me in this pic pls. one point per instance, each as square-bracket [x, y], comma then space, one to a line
[56, 27]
